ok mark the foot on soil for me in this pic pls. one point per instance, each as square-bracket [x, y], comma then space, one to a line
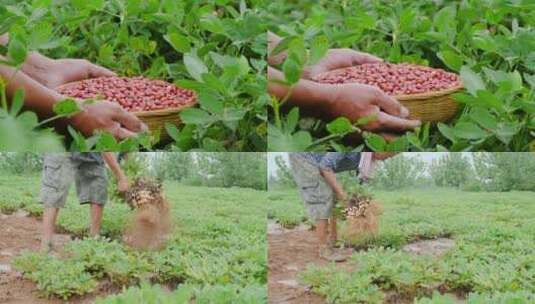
[330, 254]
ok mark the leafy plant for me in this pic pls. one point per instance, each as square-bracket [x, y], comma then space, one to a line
[488, 43]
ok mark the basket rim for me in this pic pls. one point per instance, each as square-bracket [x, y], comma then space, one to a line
[448, 91]
[159, 112]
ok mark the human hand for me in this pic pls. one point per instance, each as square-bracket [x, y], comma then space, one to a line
[336, 59]
[107, 116]
[122, 184]
[62, 71]
[355, 101]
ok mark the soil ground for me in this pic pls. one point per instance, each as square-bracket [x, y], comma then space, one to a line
[20, 232]
[291, 250]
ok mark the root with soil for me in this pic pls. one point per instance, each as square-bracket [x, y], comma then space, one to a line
[362, 218]
[151, 223]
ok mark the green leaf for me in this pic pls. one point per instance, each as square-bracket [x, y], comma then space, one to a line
[196, 116]
[283, 45]
[340, 125]
[451, 59]
[318, 49]
[17, 103]
[66, 107]
[375, 142]
[506, 130]
[291, 120]
[468, 130]
[471, 81]
[292, 70]
[447, 132]
[211, 102]
[17, 51]
[106, 142]
[178, 41]
[483, 118]
[195, 66]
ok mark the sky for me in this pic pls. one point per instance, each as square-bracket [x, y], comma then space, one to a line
[427, 157]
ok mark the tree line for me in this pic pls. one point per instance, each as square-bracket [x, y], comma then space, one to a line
[248, 170]
[480, 171]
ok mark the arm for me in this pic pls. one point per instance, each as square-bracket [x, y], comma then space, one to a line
[330, 178]
[353, 100]
[111, 161]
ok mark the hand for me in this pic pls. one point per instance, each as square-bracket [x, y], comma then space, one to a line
[355, 101]
[107, 116]
[342, 197]
[337, 59]
[122, 184]
[55, 73]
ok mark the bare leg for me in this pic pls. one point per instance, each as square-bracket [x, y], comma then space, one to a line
[96, 219]
[49, 221]
[333, 235]
[322, 232]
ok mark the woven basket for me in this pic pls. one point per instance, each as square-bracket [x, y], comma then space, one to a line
[437, 106]
[156, 120]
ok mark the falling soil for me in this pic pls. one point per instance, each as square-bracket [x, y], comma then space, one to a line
[151, 223]
[289, 253]
[362, 218]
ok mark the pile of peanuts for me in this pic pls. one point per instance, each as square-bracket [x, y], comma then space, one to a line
[357, 206]
[393, 79]
[133, 94]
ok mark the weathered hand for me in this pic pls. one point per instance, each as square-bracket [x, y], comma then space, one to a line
[355, 101]
[338, 58]
[107, 116]
[61, 71]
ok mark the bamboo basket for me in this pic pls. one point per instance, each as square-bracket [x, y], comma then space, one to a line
[156, 119]
[437, 106]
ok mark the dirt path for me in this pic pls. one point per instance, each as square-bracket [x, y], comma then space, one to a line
[289, 252]
[18, 232]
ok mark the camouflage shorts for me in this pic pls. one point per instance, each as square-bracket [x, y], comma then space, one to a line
[317, 195]
[59, 169]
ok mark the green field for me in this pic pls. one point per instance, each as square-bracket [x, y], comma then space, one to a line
[216, 254]
[493, 260]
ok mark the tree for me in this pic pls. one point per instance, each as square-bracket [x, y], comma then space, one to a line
[505, 171]
[284, 177]
[398, 172]
[451, 170]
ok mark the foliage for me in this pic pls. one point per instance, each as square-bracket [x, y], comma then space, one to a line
[398, 172]
[216, 250]
[55, 277]
[489, 43]
[505, 171]
[153, 294]
[284, 177]
[20, 163]
[215, 48]
[451, 170]
[491, 259]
